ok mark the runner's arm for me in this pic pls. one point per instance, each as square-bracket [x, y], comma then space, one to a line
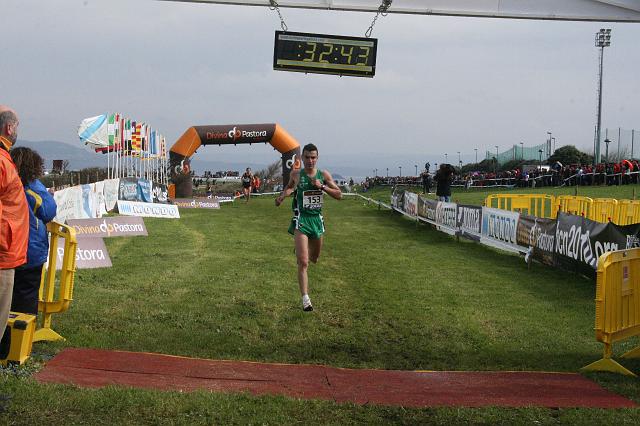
[330, 186]
[293, 181]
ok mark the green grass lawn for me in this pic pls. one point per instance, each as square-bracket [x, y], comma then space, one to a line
[388, 293]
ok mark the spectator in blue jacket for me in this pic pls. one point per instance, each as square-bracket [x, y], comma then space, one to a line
[42, 209]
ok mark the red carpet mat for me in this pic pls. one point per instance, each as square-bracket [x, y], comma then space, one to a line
[97, 368]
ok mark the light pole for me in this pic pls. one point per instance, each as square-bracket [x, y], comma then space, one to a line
[540, 161]
[522, 150]
[416, 166]
[603, 39]
[548, 141]
[445, 158]
[476, 150]
[496, 158]
[607, 142]
[554, 145]
[387, 172]
[400, 167]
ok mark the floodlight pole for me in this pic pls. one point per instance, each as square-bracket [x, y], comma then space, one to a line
[603, 39]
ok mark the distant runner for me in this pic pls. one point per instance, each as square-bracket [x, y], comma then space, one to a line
[307, 226]
[247, 180]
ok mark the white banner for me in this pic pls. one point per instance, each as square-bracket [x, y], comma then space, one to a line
[136, 208]
[499, 225]
[110, 192]
[69, 202]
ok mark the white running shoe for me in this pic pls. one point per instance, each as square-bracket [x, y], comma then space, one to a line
[306, 304]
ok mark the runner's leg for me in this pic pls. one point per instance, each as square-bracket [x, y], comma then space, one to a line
[315, 245]
[302, 255]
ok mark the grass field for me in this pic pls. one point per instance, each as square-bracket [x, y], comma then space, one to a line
[388, 294]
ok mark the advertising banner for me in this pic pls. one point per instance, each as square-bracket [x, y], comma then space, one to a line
[90, 206]
[446, 215]
[136, 208]
[117, 226]
[397, 199]
[197, 203]
[539, 235]
[128, 189]
[99, 194]
[160, 193]
[411, 203]
[583, 241]
[469, 221]
[69, 202]
[90, 253]
[499, 226]
[427, 208]
[145, 191]
[110, 191]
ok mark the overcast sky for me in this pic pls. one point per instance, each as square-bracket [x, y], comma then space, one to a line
[442, 84]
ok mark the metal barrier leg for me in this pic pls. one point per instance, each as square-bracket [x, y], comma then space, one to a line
[633, 353]
[608, 364]
[45, 332]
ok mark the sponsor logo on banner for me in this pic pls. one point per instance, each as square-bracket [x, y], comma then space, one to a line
[128, 189]
[446, 214]
[427, 208]
[120, 226]
[145, 191]
[584, 241]
[134, 208]
[235, 133]
[540, 235]
[469, 221]
[160, 193]
[197, 203]
[411, 203]
[500, 225]
[90, 253]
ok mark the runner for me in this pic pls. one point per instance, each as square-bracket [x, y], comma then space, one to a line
[247, 180]
[307, 226]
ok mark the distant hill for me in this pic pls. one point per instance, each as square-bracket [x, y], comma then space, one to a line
[79, 157]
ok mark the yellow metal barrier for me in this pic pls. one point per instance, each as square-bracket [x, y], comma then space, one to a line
[604, 210]
[540, 205]
[628, 212]
[50, 302]
[579, 206]
[617, 306]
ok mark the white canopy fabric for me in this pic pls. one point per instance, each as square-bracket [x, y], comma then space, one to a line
[568, 10]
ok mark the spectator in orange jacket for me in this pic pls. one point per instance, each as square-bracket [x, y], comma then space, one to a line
[14, 214]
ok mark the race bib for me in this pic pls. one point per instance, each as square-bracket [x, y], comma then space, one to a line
[312, 200]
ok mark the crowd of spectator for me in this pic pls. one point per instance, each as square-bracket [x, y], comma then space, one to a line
[614, 173]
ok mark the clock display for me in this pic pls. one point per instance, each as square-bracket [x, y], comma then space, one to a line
[325, 54]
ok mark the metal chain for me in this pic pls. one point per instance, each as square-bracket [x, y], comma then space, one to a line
[273, 5]
[382, 10]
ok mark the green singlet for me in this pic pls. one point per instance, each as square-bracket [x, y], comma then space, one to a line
[307, 207]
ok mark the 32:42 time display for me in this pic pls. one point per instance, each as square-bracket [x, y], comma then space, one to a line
[325, 54]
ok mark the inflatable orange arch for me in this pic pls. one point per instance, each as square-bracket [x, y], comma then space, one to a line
[228, 134]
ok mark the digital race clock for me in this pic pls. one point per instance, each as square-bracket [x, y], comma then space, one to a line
[325, 54]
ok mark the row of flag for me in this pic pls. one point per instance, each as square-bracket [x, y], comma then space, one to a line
[115, 133]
